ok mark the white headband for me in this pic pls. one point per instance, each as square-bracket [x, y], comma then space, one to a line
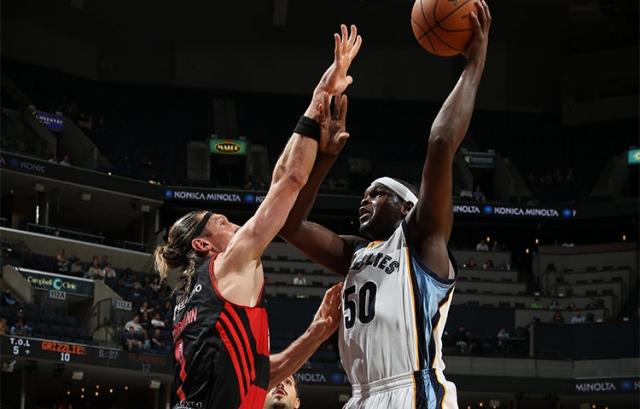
[397, 188]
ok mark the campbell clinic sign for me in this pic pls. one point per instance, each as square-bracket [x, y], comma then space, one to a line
[48, 281]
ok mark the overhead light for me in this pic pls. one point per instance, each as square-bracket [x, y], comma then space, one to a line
[97, 393]
[86, 197]
[77, 376]
[153, 384]
[126, 388]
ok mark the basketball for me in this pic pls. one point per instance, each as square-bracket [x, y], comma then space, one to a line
[443, 27]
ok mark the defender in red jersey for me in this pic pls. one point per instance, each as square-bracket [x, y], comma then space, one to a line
[220, 325]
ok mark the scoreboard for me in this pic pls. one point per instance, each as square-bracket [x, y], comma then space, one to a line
[68, 352]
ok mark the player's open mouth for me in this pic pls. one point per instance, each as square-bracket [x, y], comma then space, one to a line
[365, 214]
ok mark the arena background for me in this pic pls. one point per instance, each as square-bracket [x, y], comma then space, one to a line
[114, 116]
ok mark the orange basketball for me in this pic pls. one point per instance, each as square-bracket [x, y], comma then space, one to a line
[443, 27]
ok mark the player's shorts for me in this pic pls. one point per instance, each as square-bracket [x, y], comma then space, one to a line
[425, 389]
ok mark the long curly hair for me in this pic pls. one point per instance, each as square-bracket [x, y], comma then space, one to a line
[177, 252]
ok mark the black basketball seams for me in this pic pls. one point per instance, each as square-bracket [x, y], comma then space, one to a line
[447, 16]
[424, 34]
[437, 25]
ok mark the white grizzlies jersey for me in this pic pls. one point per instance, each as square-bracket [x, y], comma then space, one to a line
[394, 311]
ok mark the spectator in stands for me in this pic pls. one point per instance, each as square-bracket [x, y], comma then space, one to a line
[7, 299]
[496, 246]
[503, 340]
[21, 328]
[578, 318]
[94, 271]
[284, 395]
[299, 279]
[3, 326]
[591, 305]
[131, 339]
[66, 161]
[462, 340]
[155, 285]
[466, 194]
[472, 263]
[572, 306]
[104, 261]
[478, 195]
[77, 269]
[557, 318]
[569, 177]
[156, 341]
[62, 262]
[482, 246]
[157, 321]
[144, 320]
[488, 265]
[555, 305]
[134, 325]
[536, 304]
[137, 291]
[145, 308]
[108, 271]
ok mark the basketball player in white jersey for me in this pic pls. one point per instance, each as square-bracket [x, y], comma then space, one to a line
[400, 277]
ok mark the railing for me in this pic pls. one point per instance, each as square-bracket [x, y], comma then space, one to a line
[106, 319]
[61, 232]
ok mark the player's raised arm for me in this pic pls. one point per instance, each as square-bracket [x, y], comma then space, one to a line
[315, 241]
[323, 325]
[292, 169]
[431, 221]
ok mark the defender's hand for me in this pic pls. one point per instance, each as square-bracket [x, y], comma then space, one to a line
[333, 136]
[328, 315]
[335, 80]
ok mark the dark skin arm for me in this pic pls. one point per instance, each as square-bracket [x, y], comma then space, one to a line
[431, 221]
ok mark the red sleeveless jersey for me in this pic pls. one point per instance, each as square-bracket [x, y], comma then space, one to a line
[221, 349]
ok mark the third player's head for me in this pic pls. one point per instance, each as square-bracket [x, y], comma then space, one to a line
[384, 205]
[284, 395]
